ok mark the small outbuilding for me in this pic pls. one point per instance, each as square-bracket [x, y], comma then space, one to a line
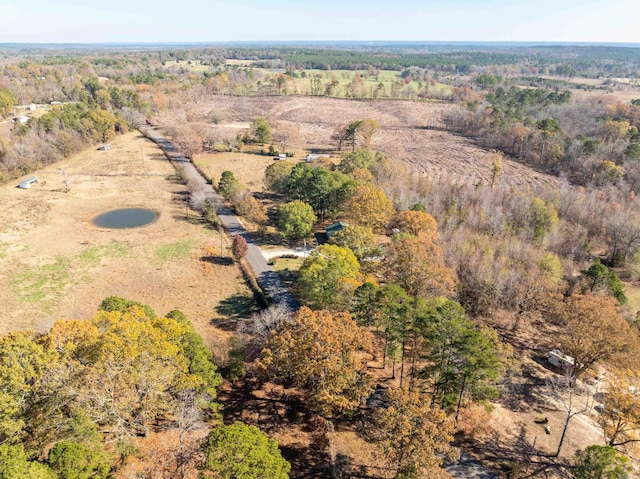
[106, 146]
[28, 183]
[335, 228]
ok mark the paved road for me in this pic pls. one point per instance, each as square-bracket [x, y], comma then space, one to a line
[268, 279]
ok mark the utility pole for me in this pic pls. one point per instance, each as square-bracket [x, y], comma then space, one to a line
[65, 180]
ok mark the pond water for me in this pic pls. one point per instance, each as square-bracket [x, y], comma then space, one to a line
[125, 218]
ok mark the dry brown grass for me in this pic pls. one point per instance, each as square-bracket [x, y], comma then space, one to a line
[248, 168]
[55, 264]
[312, 120]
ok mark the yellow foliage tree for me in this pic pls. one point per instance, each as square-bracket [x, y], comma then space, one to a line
[368, 205]
[620, 418]
[414, 434]
[366, 130]
[323, 272]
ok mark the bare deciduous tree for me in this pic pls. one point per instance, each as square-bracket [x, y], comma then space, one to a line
[269, 320]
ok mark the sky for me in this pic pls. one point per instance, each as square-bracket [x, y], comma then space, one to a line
[82, 21]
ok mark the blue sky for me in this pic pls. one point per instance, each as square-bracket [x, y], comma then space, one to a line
[82, 21]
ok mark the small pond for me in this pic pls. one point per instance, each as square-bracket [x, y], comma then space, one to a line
[125, 218]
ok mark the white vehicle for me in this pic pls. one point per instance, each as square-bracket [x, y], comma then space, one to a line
[560, 360]
[28, 183]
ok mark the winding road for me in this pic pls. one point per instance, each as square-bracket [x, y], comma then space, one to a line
[267, 278]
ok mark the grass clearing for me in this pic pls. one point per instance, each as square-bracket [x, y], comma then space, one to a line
[369, 83]
[292, 264]
[47, 283]
[302, 85]
[95, 254]
[287, 269]
[44, 282]
[248, 168]
[632, 293]
[174, 251]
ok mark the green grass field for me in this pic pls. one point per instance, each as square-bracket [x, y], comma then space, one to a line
[345, 77]
[46, 283]
[173, 251]
[303, 85]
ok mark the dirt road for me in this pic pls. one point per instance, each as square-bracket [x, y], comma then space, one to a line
[267, 277]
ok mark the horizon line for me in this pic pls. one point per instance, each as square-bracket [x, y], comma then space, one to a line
[370, 42]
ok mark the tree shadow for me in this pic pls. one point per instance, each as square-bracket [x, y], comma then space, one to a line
[192, 218]
[234, 308]
[519, 458]
[217, 260]
[307, 461]
[264, 239]
[277, 410]
[265, 195]
[288, 277]
[155, 157]
[176, 179]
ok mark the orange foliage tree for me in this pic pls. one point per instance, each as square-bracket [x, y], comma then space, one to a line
[416, 223]
[323, 352]
[417, 265]
[594, 331]
[620, 418]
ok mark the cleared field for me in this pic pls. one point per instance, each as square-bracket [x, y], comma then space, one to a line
[386, 78]
[403, 137]
[55, 264]
[248, 168]
[620, 93]
[188, 65]
[242, 63]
